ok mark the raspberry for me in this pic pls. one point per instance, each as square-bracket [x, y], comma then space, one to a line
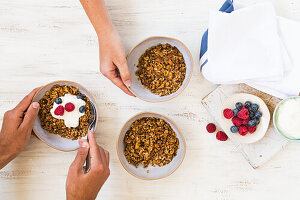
[228, 113]
[211, 128]
[69, 107]
[59, 110]
[244, 107]
[243, 114]
[251, 129]
[237, 121]
[221, 136]
[245, 121]
[243, 130]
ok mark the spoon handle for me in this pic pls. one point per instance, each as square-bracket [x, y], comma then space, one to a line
[88, 160]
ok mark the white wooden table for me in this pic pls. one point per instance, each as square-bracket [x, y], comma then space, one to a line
[43, 41]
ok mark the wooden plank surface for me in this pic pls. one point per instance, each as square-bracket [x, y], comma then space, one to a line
[43, 41]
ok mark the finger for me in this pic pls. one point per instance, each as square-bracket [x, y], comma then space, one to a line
[81, 155]
[119, 83]
[110, 72]
[107, 157]
[124, 72]
[30, 116]
[102, 156]
[24, 104]
[94, 151]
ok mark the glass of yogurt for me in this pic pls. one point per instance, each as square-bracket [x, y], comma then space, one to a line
[286, 118]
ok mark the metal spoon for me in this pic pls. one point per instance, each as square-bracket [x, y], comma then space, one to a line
[92, 123]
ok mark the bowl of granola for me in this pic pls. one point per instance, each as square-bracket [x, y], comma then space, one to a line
[150, 146]
[160, 68]
[64, 114]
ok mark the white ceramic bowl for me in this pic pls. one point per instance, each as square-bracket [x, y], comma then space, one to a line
[151, 173]
[133, 59]
[261, 128]
[53, 140]
[275, 116]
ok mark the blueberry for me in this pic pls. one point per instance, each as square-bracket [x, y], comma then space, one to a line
[252, 123]
[248, 104]
[251, 114]
[82, 109]
[58, 100]
[79, 96]
[234, 129]
[239, 105]
[235, 112]
[256, 121]
[254, 107]
[258, 114]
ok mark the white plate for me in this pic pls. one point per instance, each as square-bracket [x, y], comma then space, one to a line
[262, 127]
[53, 140]
[133, 59]
[151, 173]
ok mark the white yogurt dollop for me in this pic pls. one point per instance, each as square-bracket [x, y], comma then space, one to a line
[288, 118]
[71, 119]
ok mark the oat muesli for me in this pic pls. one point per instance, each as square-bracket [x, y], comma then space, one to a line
[57, 126]
[150, 141]
[161, 69]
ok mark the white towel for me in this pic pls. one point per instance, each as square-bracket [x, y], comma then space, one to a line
[290, 84]
[251, 45]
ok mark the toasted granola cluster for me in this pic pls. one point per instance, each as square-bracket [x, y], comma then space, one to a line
[150, 141]
[161, 69]
[57, 126]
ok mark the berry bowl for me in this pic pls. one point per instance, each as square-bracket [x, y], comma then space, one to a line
[150, 172]
[55, 140]
[245, 118]
[139, 50]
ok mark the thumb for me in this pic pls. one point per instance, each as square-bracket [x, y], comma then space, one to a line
[81, 154]
[125, 74]
[30, 116]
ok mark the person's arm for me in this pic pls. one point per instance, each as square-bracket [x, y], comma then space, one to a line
[16, 128]
[81, 185]
[113, 63]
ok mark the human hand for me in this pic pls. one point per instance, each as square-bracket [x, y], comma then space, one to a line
[81, 185]
[16, 128]
[113, 63]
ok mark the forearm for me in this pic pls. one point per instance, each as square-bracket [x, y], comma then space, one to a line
[111, 50]
[98, 15]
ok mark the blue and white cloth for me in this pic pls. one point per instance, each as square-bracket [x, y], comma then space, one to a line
[226, 7]
[249, 44]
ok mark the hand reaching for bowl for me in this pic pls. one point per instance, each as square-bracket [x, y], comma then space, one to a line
[81, 185]
[16, 128]
[113, 63]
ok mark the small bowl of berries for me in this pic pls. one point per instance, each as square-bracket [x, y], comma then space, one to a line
[245, 118]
